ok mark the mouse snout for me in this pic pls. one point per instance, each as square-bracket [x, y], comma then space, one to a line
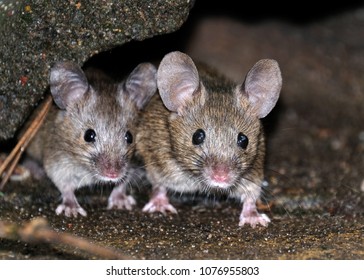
[110, 169]
[111, 173]
[219, 175]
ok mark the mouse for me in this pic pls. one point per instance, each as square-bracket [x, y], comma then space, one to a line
[88, 137]
[203, 133]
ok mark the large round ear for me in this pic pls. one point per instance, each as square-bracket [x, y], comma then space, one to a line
[177, 80]
[141, 84]
[68, 84]
[262, 86]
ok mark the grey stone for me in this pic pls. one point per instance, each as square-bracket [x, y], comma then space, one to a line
[36, 34]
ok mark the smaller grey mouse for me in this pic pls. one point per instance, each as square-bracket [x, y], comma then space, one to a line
[88, 137]
[203, 133]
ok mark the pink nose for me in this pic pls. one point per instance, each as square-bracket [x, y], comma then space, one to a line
[111, 174]
[109, 168]
[220, 174]
[220, 178]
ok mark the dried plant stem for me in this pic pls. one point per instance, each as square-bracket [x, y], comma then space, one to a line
[8, 166]
[38, 230]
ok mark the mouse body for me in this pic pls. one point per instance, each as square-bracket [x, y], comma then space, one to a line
[202, 133]
[88, 137]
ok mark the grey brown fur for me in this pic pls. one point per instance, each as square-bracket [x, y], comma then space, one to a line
[191, 99]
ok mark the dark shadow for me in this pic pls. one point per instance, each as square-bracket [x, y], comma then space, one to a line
[270, 122]
[120, 61]
[296, 12]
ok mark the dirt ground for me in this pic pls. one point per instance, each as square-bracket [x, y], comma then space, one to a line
[315, 157]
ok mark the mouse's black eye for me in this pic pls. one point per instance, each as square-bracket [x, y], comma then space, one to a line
[128, 137]
[243, 141]
[90, 135]
[198, 137]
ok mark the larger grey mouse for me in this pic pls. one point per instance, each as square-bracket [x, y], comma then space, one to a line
[204, 134]
[89, 135]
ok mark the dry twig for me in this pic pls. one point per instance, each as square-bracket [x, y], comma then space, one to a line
[8, 166]
[38, 230]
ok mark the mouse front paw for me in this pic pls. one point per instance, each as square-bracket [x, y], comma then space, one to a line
[121, 201]
[118, 199]
[254, 220]
[159, 203]
[250, 215]
[70, 211]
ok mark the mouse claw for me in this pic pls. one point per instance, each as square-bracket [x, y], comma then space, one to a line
[253, 221]
[121, 202]
[70, 206]
[118, 199]
[70, 211]
[152, 207]
[159, 203]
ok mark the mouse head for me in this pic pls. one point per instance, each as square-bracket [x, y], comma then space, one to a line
[215, 127]
[97, 117]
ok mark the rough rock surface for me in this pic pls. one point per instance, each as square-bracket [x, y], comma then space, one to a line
[35, 34]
